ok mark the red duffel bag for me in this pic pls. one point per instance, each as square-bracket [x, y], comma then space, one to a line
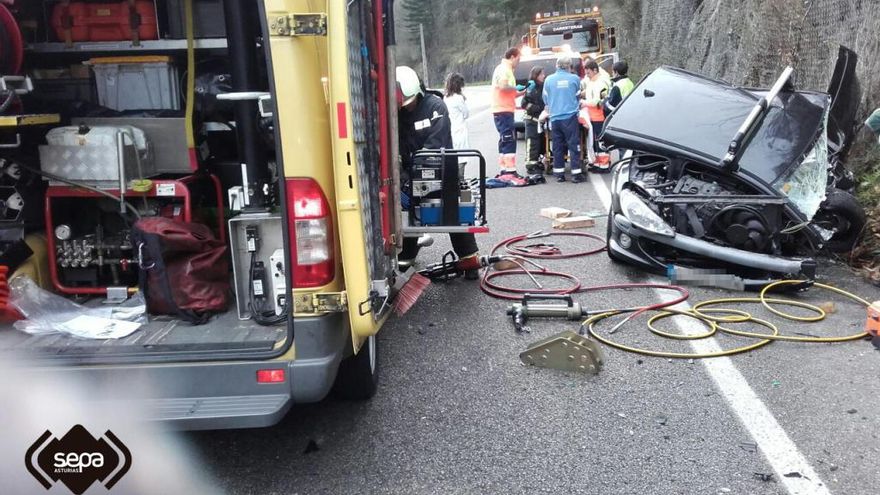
[184, 268]
[111, 21]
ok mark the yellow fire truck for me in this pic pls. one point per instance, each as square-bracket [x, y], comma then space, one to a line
[584, 32]
[281, 134]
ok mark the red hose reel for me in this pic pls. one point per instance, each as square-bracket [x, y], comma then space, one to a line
[11, 43]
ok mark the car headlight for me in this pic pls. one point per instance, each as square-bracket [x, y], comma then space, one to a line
[641, 216]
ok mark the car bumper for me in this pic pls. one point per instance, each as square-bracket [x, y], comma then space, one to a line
[217, 395]
[635, 254]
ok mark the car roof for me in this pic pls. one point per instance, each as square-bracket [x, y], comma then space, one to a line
[676, 110]
[545, 60]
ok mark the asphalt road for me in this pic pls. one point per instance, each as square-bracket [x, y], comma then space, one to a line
[457, 413]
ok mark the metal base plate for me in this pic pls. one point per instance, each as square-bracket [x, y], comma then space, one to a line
[566, 351]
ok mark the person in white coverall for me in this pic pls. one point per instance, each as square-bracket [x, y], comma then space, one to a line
[458, 115]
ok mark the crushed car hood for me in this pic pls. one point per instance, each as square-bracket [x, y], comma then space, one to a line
[673, 110]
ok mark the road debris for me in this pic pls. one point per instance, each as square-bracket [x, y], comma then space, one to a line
[312, 446]
[852, 411]
[573, 223]
[765, 477]
[750, 447]
[828, 307]
[554, 212]
[661, 420]
[594, 213]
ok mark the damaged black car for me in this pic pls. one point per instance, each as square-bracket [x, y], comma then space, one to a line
[728, 186]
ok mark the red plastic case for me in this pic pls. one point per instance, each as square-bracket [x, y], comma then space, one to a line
[117, 21]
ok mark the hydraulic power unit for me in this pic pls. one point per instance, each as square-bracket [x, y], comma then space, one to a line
[439, 200]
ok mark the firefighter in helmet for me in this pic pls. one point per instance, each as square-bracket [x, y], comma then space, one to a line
[424, 123]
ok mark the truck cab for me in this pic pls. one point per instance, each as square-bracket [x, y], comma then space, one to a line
[270, 123]
[581, 31]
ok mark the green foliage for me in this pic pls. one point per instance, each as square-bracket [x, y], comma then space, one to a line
[869, 178]
[419, 12]
[469, 36]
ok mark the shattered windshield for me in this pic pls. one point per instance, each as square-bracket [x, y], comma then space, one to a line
[805, 184]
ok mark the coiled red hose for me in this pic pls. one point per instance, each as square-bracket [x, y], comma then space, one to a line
[512, 246]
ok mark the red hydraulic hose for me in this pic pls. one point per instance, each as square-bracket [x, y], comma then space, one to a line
[548, 251]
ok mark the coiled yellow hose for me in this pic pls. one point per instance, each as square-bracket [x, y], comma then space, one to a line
[702, 312]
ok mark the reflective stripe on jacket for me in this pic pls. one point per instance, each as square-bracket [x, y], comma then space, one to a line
[623, 86]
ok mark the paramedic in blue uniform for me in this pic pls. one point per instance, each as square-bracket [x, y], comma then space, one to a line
[561, 96]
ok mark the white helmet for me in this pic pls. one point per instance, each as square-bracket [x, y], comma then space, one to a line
[409, 85]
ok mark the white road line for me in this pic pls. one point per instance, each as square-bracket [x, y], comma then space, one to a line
[779, 450]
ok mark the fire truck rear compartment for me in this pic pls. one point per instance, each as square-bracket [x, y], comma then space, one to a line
[90, 256]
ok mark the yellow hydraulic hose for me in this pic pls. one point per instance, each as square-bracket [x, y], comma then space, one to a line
[815, 284]
[590, 324]
[698, 309]
[701, 311]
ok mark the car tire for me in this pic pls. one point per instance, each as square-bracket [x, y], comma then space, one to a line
[842, 212]
[358, 376]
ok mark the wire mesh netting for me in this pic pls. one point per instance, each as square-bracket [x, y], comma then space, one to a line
[749, 42]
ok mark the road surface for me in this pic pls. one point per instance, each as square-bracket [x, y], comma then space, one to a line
[457, 413]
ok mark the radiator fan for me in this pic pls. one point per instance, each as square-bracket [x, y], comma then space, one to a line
[743, 228]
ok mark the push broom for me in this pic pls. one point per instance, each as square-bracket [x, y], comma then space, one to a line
[451, 267]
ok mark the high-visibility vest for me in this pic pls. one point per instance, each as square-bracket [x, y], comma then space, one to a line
[626, 86]
[503, 100]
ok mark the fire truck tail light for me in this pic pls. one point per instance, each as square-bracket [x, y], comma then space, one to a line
[312, 229]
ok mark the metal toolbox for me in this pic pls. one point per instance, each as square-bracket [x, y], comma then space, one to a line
[136, 83]
[106, 156]
[172, 157]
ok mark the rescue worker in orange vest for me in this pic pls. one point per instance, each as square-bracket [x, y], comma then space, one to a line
[594, 89]
[504, 93]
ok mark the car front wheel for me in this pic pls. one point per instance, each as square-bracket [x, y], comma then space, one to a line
[842, 214]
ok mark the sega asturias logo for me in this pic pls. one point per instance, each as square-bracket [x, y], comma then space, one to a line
[78, 459]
